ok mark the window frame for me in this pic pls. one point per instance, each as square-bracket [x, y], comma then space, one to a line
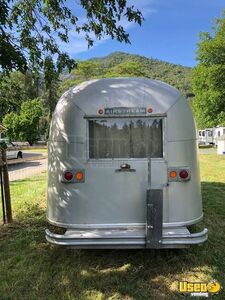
[93, 118]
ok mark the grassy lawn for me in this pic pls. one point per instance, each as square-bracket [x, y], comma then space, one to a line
[38, 150]
[32, 269]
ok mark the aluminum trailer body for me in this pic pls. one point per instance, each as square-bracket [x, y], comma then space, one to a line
[123, 167]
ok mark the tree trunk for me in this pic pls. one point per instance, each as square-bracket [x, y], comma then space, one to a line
[6, 188]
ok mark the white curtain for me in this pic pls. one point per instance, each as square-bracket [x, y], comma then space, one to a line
[125, 138]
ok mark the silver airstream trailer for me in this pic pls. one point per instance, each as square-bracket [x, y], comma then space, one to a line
[123, 167]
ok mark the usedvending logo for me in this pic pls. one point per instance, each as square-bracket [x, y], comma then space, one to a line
[199, 289]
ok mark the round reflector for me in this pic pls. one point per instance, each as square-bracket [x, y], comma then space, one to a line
[79, 176]
[100, 111]
[173, 174]
[184, 174]
[68, 175]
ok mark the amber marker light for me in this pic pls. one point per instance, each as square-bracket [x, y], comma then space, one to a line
[79, 176]
[173, 174]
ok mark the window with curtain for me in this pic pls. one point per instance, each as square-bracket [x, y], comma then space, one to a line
[125, 138]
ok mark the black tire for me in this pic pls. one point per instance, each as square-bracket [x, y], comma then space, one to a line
[20, 155]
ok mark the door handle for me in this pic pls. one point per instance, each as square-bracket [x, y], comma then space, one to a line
[125, 168]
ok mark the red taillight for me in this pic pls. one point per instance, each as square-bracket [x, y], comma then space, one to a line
[73, 176]
[183, 174]
[68, 175]
[100, 111]
[176, 174]
[150, 110]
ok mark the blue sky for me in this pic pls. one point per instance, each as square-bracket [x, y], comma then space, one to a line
[170, 31]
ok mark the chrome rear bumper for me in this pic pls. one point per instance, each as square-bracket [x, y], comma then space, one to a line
[129, 237]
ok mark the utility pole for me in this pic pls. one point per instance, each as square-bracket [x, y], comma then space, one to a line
[5, 190]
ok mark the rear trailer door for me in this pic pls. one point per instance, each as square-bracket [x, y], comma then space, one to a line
[119, 169]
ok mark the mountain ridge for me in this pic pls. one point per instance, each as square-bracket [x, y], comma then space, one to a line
[116, 53]
[122, 64]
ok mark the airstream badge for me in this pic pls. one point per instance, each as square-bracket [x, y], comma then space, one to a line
[125, 111]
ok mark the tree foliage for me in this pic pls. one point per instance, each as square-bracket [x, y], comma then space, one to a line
[51, 81]
[48, 86]
[31, 30]
[16, 88]
[11, 122]
[208, 77]
[87, 69]
[25, 125]
[128, 69]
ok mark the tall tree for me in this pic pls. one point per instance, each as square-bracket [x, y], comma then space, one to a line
[16, 88]
[31, 30]
[208, 77]
[24, 125]
[12, 123]
[51, 80]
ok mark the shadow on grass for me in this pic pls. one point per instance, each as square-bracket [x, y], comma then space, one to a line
[35, 270]
[24, 165]
[26, 180]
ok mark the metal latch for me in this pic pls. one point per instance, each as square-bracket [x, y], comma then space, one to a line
[125, 168]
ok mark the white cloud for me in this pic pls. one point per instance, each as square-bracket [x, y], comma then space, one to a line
[145, 6]
[78, 44]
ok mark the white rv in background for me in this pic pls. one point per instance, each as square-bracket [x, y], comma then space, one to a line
[209, 136]
[206, 136]
[218, 131]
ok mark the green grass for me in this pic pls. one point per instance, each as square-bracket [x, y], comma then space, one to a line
[32, 269]
[205, 146]
[38, 150]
